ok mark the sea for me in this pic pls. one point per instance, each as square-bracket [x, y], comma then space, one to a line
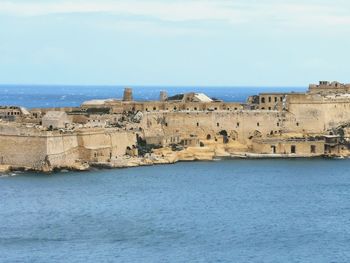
[238, 210]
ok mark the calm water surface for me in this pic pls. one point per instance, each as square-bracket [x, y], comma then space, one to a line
[227, 211]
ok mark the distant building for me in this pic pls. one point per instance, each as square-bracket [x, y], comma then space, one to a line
[191, 97]
[55, 120]
[326, 87]
[128, 94]
[10, 113]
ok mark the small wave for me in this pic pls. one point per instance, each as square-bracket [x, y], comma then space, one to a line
[3, 175]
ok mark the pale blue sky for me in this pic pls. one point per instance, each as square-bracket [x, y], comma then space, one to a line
[179, 42]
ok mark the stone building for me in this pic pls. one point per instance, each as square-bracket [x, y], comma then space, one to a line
[11, 113]
[55, 120]
[309, 124]
[298, 147]
[271, 101]
[326, 87]
[128, 95]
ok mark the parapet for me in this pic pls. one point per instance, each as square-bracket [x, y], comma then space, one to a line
[327, 87]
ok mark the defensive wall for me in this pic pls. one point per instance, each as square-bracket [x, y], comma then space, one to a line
[38, 149]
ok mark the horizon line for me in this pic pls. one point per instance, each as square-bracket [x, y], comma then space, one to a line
[153, 86]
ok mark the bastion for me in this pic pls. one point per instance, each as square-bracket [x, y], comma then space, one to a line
[182, 127]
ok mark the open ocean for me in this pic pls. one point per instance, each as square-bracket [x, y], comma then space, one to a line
[295, 210]
[33, 96]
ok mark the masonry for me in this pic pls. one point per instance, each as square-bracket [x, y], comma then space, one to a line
[123, 132]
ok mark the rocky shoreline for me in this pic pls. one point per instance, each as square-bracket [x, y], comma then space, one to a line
[164, 156]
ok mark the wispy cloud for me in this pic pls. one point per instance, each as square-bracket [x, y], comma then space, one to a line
[288, 13]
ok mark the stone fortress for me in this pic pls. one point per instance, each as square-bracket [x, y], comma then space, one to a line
[183, 127]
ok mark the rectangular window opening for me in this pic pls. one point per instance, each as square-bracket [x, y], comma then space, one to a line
[293, 149]
[313, 148]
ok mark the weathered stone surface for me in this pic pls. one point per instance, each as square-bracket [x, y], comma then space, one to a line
[5, 168]
[187, 127]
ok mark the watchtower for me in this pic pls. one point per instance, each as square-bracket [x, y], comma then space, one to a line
[127, 94]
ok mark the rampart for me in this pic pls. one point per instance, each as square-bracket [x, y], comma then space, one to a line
[124, 132]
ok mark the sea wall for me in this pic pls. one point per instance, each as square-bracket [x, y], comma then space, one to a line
[298, 148]
[48, 150]
[23, 151]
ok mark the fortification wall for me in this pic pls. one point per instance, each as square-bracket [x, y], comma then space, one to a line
[22, 147]
[319, 115]
[22, 151]
[62, 150]
[104, 145]
[241, 123]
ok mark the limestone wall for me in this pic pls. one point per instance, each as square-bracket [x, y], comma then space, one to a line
[35, 150]
[101, 146]
[318, 114]
[242, 123]
[301, 148]
[22, 151]
[62, 150]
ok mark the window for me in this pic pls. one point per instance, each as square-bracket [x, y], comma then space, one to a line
[275, 99]
[313, 148]
[154, 108]
[297, 123]
[293, 149]
[269, 99]
[218, 124]
[269, 108]
[262, 100]
[237, 124]
[197, 124]
[258, 124]
[278, 124]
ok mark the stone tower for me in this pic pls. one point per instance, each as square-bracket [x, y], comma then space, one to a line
[127, 94]
[163, 96]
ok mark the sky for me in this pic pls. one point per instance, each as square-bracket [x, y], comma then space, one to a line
[174, 42]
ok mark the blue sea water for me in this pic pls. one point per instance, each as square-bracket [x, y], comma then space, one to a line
[33, 96]
[227, 211]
